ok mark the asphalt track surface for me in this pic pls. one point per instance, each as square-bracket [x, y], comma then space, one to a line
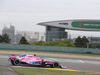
[74, 64]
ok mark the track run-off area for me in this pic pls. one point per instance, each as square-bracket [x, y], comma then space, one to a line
[72, 64]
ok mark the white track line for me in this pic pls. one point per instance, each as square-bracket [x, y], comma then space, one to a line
[10, 69]
[81, 61]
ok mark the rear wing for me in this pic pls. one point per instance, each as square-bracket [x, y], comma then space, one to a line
[12, 57]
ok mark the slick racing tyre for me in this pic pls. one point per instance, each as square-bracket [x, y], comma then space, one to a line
[55, 65]
[16, 62]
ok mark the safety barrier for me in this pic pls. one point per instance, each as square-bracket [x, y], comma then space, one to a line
[49, 48]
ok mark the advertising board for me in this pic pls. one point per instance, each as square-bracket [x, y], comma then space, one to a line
[86, 24]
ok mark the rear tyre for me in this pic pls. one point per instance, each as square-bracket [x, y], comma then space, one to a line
[16, 62]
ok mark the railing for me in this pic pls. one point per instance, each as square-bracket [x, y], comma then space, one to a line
[49, 48]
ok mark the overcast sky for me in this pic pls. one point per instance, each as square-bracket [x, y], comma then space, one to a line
[25, 14]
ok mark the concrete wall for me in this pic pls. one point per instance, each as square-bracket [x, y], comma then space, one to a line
[49, 48]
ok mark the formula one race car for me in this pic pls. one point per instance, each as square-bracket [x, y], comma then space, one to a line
[33, 60]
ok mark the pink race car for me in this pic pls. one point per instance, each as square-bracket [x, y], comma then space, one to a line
[34, 60]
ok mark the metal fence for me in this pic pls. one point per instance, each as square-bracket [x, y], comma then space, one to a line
[49, 48]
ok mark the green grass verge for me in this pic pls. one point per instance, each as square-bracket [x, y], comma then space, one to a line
[39, 71]
[95, 55]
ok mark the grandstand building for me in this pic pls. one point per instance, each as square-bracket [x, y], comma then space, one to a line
[55, 30]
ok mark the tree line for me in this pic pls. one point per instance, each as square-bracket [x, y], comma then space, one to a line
[64, 43]
[79, 42]
[4, 38]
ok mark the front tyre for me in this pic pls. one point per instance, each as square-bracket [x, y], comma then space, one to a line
[16, 62]
[55, 65]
